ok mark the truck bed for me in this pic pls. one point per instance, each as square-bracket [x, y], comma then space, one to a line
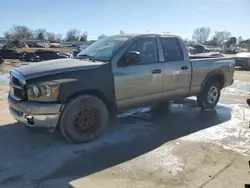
[202, 67]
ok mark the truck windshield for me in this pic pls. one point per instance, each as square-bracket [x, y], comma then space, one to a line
[103, 49]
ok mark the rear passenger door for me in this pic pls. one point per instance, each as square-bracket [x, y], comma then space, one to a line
[48, 55]
[8, 54]
[54, 55]
[177, 69]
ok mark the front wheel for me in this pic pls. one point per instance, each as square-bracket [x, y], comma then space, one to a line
[84, 119]
[32, 59]
[210, 95]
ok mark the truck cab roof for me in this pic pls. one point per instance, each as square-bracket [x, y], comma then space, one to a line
[132, 35]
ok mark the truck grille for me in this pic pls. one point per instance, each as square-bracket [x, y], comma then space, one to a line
[17, 86]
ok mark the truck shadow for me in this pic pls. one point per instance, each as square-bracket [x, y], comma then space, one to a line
[138, 132]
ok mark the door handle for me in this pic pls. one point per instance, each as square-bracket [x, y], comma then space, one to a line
[184, 67]
[156, 71]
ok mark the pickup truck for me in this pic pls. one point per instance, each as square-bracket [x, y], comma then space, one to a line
[114, 74]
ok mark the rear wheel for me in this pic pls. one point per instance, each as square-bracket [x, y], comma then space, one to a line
[210, 95]
[84, 119]
[32, 59]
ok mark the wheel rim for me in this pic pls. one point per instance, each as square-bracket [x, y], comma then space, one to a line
[212, 95]
[87, 120]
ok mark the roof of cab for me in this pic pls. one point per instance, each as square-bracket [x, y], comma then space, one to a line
[147, 34]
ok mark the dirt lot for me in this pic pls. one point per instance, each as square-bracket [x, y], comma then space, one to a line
[180, 146]
[67, 50]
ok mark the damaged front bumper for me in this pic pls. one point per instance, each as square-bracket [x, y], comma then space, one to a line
[35, 114]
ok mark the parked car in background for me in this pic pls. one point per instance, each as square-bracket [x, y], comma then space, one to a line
[42, 55]
[35, 45]
[66, 54]
[9, 54]
[229, 51]
[200, 49]
[1, 59]
[25, 56]
[54, 45]
[80, 95]
[242, 60]
[77, 51]
[49, 55]
[206, 55]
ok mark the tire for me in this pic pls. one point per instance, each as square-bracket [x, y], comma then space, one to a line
[248, 102]
[213, 89]
[84, 119]
[32, 59]
[199, 102]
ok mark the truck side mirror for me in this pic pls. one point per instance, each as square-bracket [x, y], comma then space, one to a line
[131, 58]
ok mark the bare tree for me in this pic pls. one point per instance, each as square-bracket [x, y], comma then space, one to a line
[52, 37]
[58, 37]
[201, 34]
[84, 37]
[7, 35]
[240, 39]
[122, 32]
[221, 36]
[41, 34]
[101, 36]
[185, 40]
[73, 35]
[19, 33]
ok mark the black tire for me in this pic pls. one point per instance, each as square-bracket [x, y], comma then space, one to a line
[81, 111]
[248, 102]
[203, 99]
[199, 102]
[32, 59]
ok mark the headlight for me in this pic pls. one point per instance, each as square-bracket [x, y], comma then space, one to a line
[44, 92]
[36, 91]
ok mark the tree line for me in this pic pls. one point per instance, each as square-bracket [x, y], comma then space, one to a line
[202, 35]
[19, 32]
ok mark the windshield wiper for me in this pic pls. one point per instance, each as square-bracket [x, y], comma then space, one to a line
[88, 56]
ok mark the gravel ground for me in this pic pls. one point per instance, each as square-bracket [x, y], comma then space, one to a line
[179, 146]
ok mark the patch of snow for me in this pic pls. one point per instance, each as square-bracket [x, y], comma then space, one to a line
[4, 79]
[234, 133]
[231, 90]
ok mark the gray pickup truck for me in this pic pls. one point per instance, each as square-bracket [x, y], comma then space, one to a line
[113, 75]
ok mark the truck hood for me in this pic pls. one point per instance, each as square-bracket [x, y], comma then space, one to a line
[45, 68]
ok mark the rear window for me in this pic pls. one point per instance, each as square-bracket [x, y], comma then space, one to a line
[171, 49]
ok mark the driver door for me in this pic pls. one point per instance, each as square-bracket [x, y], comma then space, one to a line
[140, 84]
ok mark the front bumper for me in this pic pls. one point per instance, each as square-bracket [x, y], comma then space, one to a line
[35, 114]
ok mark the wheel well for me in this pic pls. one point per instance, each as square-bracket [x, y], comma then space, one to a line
[218, 77]
[94, 93]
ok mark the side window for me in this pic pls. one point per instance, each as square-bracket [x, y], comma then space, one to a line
[8, 52]
[147, 48]
[171, 49]
[49, 52]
